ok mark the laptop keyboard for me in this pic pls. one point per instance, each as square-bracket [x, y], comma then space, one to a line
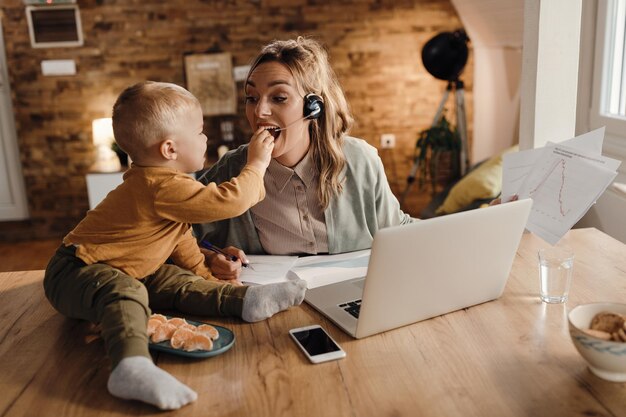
[352, 307]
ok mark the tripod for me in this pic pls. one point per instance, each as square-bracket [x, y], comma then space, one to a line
[457, 86]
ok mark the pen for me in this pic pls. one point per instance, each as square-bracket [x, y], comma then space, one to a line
[213, 248]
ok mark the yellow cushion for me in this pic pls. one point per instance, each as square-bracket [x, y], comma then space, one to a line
[482, 183]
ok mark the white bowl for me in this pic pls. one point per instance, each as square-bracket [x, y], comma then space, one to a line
[606, 359]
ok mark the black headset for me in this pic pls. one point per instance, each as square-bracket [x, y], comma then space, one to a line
[313, 106]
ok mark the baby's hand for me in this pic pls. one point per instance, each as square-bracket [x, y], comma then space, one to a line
[225, 269]
[260, 149]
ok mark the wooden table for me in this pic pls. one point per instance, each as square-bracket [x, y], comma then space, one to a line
[509, 357]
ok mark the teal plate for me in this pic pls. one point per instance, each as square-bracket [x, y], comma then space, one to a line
[221, 345]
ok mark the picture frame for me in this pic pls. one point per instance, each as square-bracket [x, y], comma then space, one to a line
[57, 26]
[210, 78]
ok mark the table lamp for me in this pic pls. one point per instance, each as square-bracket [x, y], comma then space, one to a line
[106, 158]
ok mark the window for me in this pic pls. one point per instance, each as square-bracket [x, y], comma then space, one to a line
[609, 85]
[615, 101]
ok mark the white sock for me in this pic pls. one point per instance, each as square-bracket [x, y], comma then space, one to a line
[138, 378]
[263, 301]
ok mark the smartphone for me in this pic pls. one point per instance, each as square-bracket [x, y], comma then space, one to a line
[316, 344]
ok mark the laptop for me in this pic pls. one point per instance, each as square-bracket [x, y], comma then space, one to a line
[426, 269]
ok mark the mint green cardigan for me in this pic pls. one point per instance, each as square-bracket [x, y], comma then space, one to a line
[352, 218]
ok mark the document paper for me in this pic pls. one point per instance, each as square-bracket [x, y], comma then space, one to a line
[327, 269]
[315, 270]
[562, 179]
[267, 269]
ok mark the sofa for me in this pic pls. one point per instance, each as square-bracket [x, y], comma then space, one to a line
[479, 186]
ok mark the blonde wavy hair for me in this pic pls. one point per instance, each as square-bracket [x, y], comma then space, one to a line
[147, 112]
[308, 62]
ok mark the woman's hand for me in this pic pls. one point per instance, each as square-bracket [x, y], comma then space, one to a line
[498, 200]
[222, 268]
[260, 149]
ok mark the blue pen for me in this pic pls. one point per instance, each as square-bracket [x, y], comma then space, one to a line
[213, 248]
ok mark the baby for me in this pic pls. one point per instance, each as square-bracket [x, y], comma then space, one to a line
[112, 268]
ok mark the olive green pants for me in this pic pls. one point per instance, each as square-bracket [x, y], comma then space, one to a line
[121, 304]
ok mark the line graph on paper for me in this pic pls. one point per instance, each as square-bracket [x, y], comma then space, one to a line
[562, 188]
[552, 187]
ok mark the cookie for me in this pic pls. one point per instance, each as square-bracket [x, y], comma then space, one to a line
[598, 334]
[607, 322]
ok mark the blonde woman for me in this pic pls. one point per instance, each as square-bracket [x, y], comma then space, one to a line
[326, 192]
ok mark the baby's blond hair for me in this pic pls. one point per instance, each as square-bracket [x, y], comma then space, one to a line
[147, 112]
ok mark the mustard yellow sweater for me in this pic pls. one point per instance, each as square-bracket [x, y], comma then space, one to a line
[148, 218]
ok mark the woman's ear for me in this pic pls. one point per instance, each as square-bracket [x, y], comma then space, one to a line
[168, 149]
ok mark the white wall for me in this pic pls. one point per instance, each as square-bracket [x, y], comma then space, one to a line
[549, 71]
[496, 100]
[495, 30]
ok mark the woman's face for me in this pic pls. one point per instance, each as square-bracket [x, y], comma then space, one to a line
[273, 101]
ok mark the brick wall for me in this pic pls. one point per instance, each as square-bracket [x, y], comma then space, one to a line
[374, 47]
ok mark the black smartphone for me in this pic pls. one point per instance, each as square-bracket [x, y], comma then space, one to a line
[316, 344]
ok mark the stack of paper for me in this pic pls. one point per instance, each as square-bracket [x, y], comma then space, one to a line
[563, 179]
[267, 269]
[315, 270]
[328, 269]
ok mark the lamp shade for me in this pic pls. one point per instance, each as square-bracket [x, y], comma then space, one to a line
[445, 55]
[102, 131]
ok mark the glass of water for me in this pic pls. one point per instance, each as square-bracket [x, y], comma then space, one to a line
[555, 273]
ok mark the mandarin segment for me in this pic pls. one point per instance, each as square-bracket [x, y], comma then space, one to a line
[182, 335]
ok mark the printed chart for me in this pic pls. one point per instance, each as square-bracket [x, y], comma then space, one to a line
[563, 187]
[551, 188]
[562, 179]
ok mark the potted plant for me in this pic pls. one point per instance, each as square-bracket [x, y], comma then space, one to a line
[123, 156]
[437, 154]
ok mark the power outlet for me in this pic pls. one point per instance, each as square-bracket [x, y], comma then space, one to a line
[387, 140]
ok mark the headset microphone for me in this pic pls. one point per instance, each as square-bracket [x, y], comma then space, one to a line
[280, 129]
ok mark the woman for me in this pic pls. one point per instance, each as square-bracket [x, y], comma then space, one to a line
[326, 192]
